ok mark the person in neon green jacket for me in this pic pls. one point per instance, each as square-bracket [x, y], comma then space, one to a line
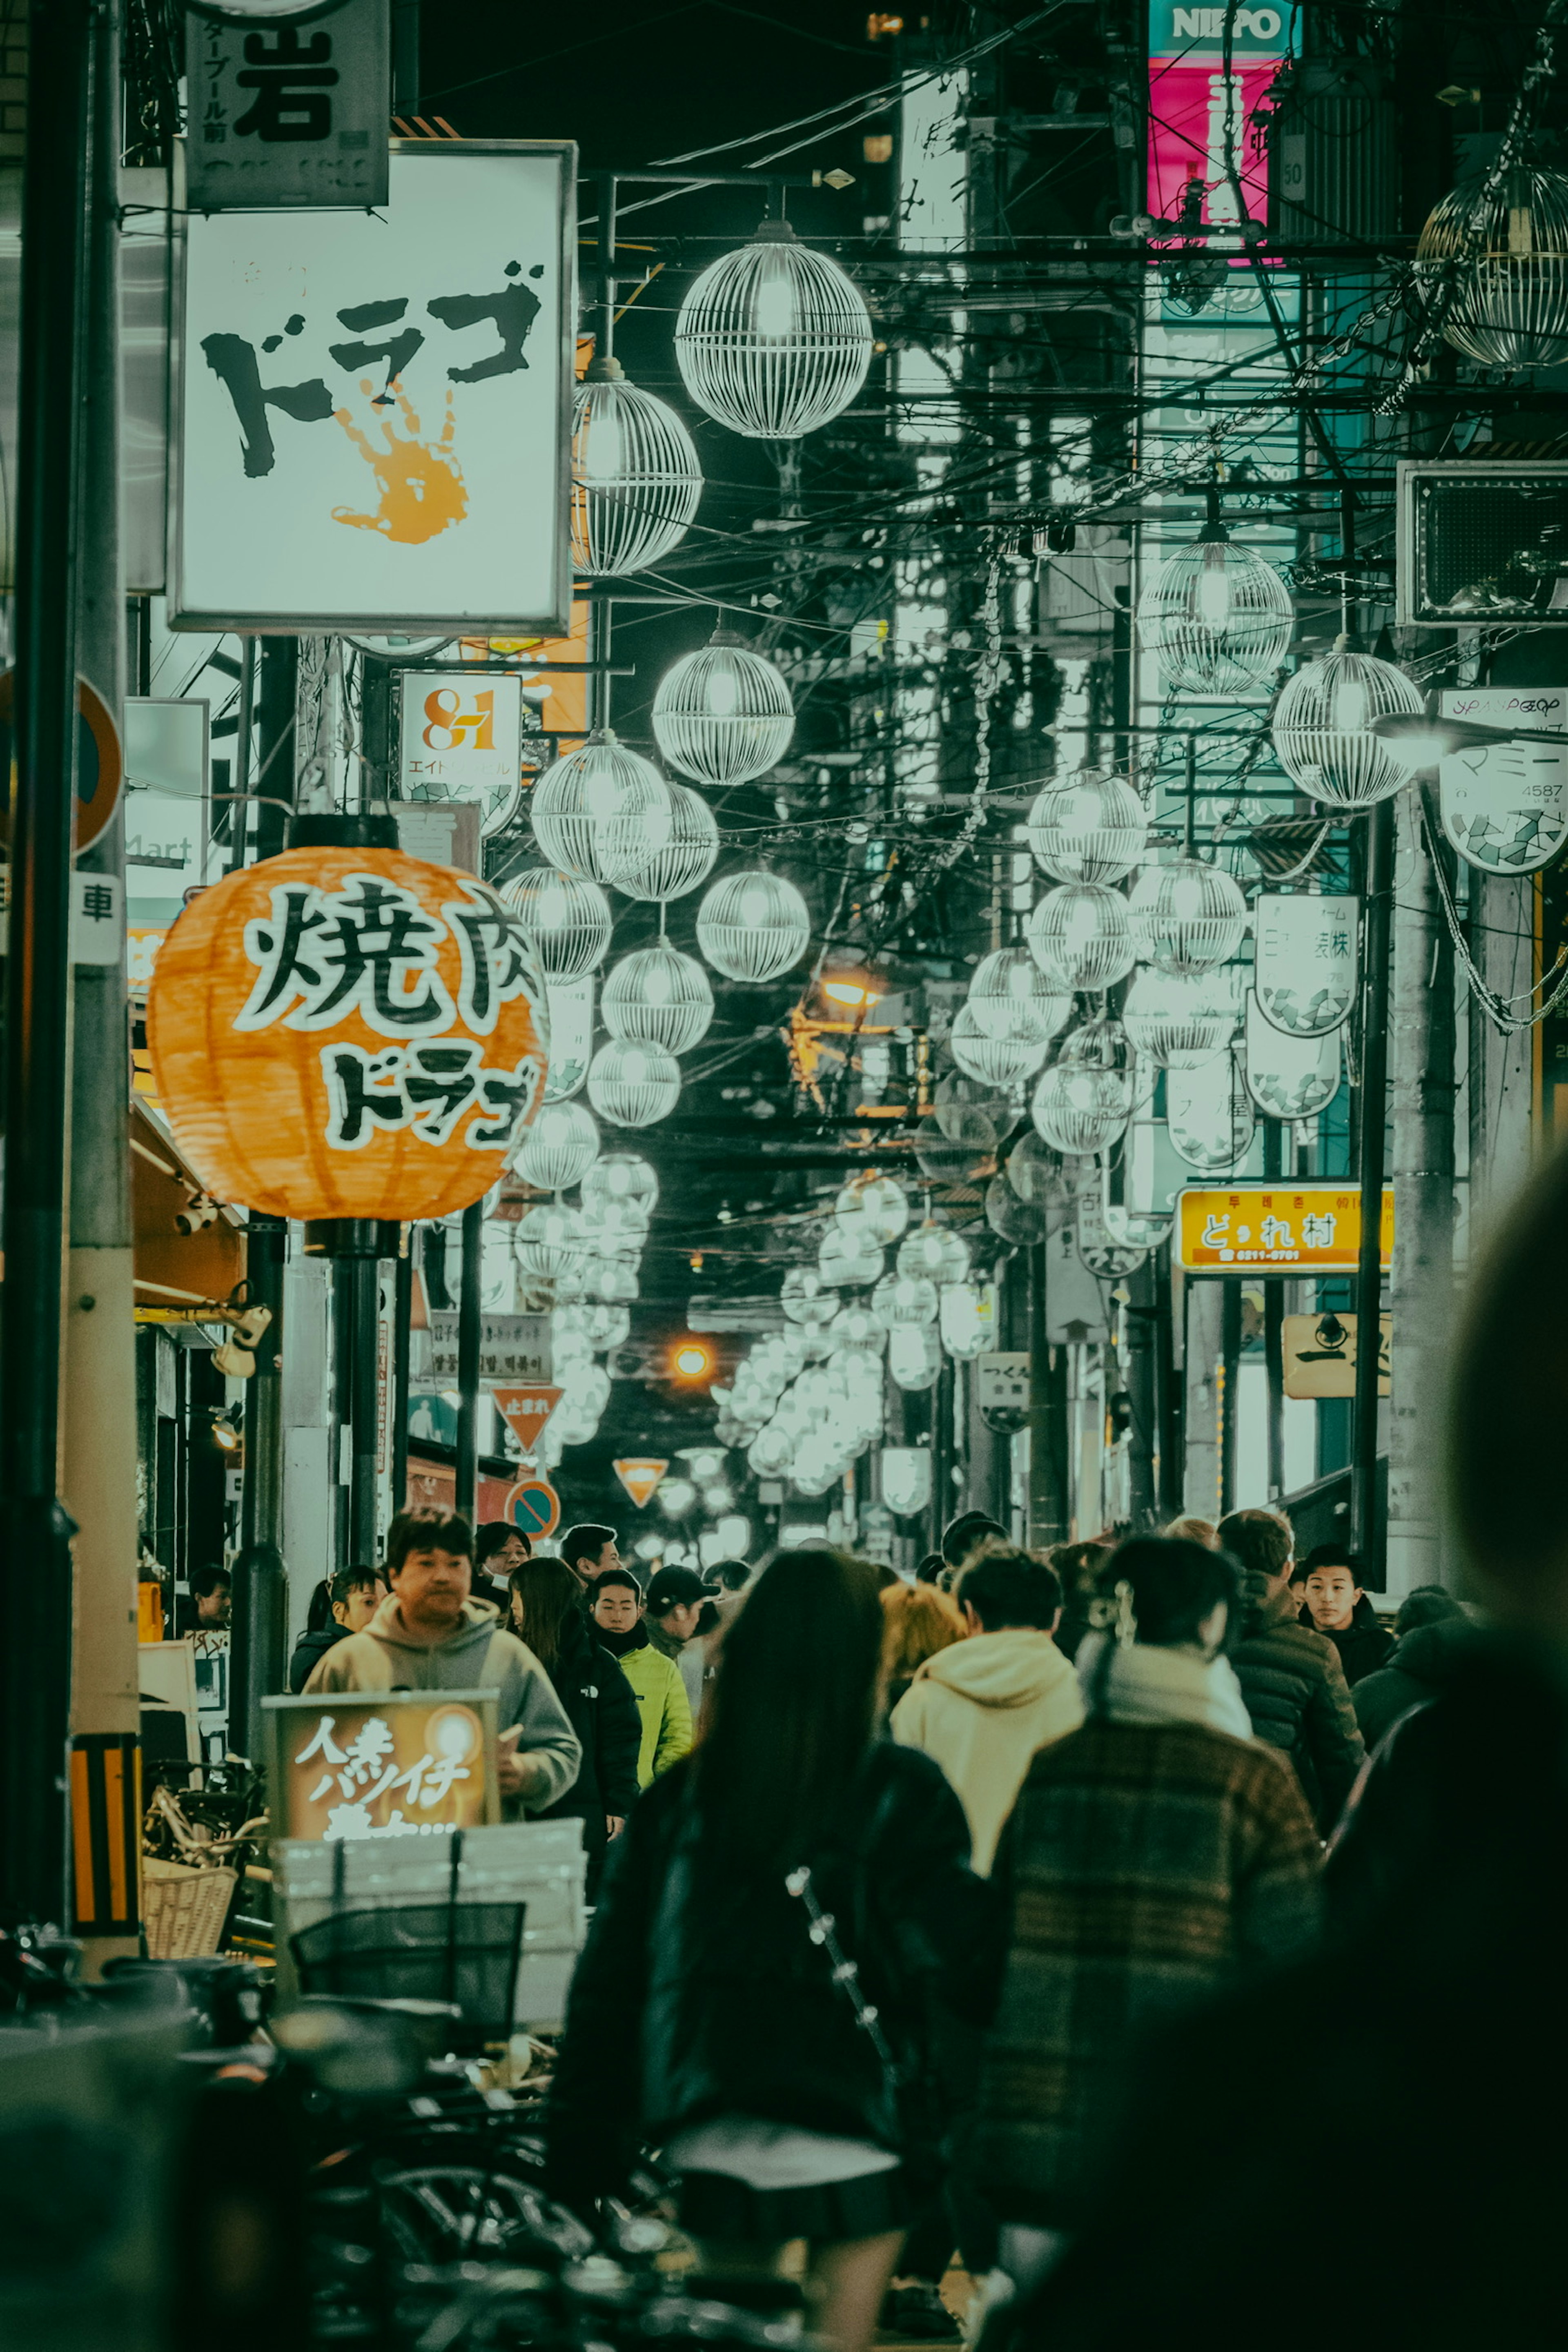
[660, 1695]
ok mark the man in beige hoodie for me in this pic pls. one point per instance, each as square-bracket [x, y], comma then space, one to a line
[984, 1708]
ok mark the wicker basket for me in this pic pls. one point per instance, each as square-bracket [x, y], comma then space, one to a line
[184, 1909]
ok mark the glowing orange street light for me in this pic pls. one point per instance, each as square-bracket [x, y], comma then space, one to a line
[849, 991]
[692, 1360]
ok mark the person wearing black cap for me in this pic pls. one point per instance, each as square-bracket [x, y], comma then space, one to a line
[677, 1601]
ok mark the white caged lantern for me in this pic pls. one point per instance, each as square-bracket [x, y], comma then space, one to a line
[774, 340]
[1216, 615]
[722, 714]
[997, 1059]
[1188, 917]
[566, 917]
[551, 1240]
[1089, 828]
[558, 1147]
[636, 479]
[1009, 992]
[752, 926]
[846, 1257]
[1085, 1100]
[633, 1085]
[806, 1299]
[1322, 728]
[935, 1254]
[657, 996]
[1081, 936]
[624, 1180]
[602, 810]
[1179, 1020]
[880, 1200]
[914, 1356]
[1497, 264]
[904, 1298]
[686, 858]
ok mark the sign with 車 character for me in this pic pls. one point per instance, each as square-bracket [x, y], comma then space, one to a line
[1275, 1228]
[387, 1764]
[284, 114]
[373, 421]
[462, 740]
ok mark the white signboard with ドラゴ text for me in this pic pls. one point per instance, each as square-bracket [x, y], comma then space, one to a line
[373, 418]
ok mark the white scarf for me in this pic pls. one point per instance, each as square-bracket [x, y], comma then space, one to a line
[1149, 1686]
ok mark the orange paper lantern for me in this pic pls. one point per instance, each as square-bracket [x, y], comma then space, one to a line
[348, 1033]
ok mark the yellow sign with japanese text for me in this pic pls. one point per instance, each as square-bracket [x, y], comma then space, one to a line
[388, 1764]
[1275, 1228]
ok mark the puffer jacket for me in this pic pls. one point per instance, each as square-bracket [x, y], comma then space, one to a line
[983, 1710]
[603, 1711]
[1423, 1662]
[1364, 1645]
[700, 1993]
[1298, 1697]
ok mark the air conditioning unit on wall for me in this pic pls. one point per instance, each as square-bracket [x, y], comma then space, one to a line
[1482, 544]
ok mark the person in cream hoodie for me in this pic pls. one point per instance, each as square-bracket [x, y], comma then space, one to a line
[984, 1708]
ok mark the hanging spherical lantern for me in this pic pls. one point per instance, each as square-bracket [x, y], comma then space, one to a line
[774, 340]
[1079, 1108]
[610, 1280]
[722, 714]
[1090, 828]
[880, 1200]
[602, 810]
[1037, 1176]
[846, 1258]
[657, 996]
[971, 1111]
[1322, 728]
[754, 927]
[1019, 1223]
[1010, 993]
[1081, 936]
[964, 1320]
[1216, 615]
[1178, 1020]
[904, 1298]
[998, 1059]
[633, 1085]
[856, 1328]
[559, 1149]
[1187, 916]
[771, 1452]
[566, 916]
[309, 1070]
[618, 1229]
[1497, 267]
[807, 1298]
[636, 479]
[935, 1254]
[686, 858]
[551, 1240]
[914, 1356]
[624, 1178]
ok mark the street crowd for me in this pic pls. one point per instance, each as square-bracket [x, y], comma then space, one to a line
[1144, 1931]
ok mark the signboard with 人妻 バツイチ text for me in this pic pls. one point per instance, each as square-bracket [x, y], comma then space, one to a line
[382, 1764]
[373, 418]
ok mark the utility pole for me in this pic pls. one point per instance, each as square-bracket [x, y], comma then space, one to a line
[98, 1392]
[468, 1315]
[36, 1657]
[1421, 1292]
[1048, 1513]
[1274, 1329]
[1379, 892]
[1202, 1353]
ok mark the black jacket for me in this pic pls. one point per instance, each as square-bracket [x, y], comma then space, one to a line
[1433, 2029]
[309, 1649]
[1422, 1662]
[1298, 1697]
[1364, 1645]
[700, 1993]
[603, 1710]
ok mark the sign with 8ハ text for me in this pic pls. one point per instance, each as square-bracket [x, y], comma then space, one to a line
[374, 419]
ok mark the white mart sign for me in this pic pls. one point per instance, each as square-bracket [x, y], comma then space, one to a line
[374, 412]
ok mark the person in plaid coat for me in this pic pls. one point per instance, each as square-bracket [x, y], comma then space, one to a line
[1155, 1856]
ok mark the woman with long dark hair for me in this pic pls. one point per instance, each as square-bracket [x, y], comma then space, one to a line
[547, 1613]
[753, 1999]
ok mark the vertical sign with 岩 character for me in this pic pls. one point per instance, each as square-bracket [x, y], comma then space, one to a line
[373, 421]
[287, 114]
[462, 740]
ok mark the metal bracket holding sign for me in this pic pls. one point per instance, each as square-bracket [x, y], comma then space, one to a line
[287, 116]
[1318, 1352]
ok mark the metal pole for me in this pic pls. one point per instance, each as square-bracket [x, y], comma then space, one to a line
[1230, 1375]
[35, 1660]
[1048, 1414]
[363, 1286]
[1274, 1329]
[405, 58]
[468, 1313]
[1365, 1531]
[402, 1332]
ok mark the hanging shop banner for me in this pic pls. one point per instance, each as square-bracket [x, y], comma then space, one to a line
[402, 1764]
[1264, 1227]
[1318, 1353]
[569, 1006]
[1505, 805]
[373, 420]
[1209, 1113]
[1307, 960]
[1288, 1077]
[462, 740]
[906, 1479]
[1201, 136]
[640, 1477]
[1105, 1250]
[513, 1348]
[288, 115]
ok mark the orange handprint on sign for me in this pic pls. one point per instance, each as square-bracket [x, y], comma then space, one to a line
[420, 482]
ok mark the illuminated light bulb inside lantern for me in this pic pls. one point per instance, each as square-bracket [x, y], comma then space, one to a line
[1212, 596]
[722, 692]
[776, 311]
[602, 447]
[1350, 706]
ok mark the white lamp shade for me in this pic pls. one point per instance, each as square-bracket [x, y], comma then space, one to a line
[936, 1253]
[558, 1148]
[686, 858]
[845, 1260]
[1089, 828]
[1078, 1109]
[881, 1201]
[1009, 995]
[602, 810]
[1217, 618]
[906, 1479]
[551, 1240]
[807, 1298]
[914, 1356]
[623, 1177]
[1081, 936]
[752, 926]
[1322, 728]
[997, 1058]
[966, 1323]
[904, 1298]
[774, 340]
[1179, 1020]
[657, 996]
[723, 715]
[633, 1085]
[566, 916]
[1499, 262]
[1187, 916]
[636, 479]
